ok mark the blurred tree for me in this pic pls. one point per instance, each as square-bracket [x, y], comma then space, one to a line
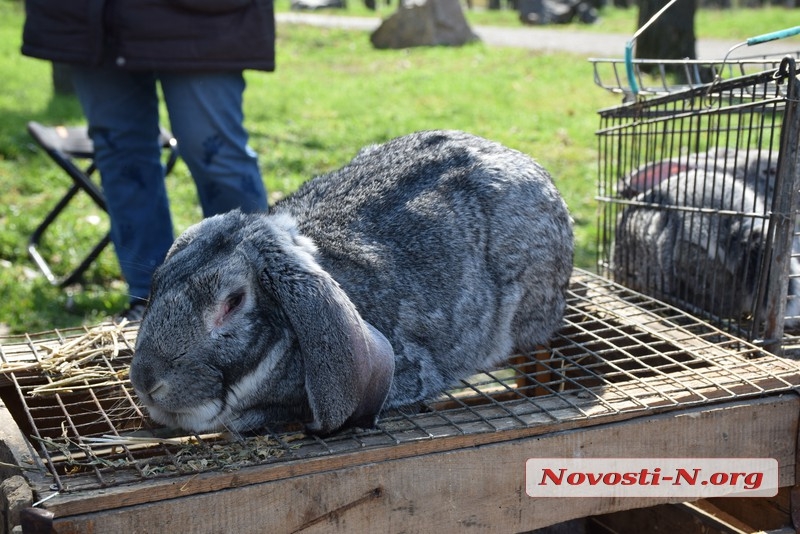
[671, 36]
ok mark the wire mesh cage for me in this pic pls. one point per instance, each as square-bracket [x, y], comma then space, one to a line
[658, 77]
[697, 193]
[619, 355]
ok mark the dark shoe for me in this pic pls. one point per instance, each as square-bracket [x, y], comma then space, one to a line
[133, 313]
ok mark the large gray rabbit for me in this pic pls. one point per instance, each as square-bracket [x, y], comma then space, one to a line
[688, 239]
[757, 168]
[423, 260]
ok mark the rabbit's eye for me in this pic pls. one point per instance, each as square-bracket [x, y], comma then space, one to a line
[234, 301]
[224, 309]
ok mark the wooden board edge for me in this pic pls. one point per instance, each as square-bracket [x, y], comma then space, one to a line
[480, 487]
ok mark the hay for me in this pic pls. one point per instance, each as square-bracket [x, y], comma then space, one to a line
[190, 454]
[78, 363]
[86, 362]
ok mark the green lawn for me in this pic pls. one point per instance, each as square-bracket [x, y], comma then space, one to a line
[332, 94]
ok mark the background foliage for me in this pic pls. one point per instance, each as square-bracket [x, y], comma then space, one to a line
[332, 94]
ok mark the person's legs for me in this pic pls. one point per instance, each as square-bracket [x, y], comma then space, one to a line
[122, 111]
[205, 111]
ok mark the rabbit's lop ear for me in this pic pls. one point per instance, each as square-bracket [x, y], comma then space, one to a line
[227, 224]
[348, 363]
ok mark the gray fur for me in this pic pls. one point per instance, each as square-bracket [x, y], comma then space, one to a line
[692, 253]
[757, 168]
[422, 261]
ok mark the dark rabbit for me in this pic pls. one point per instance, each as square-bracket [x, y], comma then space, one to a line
[420, 262]
[692, 253]
[757, 168]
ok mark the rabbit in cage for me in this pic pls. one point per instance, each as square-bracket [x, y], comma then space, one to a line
[757, 168]
[422, 261]
[700, 251]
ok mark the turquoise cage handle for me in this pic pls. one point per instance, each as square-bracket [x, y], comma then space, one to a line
[629, 67]
[772, 36]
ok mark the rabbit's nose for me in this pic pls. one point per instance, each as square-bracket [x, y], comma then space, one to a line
[159, 389]
[146, 383]
[154, 395]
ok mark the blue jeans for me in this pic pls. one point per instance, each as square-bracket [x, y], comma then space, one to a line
[205, 114]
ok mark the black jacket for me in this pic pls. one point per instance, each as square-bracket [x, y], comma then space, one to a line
[169, 35]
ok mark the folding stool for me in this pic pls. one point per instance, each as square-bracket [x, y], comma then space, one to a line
[66, 146]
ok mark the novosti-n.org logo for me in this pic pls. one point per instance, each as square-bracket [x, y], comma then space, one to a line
[693, 478]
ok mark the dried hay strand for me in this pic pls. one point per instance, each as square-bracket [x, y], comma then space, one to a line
[190, 454]
[82, 362]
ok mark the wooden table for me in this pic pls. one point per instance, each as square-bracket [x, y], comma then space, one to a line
[626, 376]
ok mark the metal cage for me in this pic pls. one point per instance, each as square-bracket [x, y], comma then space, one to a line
[697, 201]
[619, 355]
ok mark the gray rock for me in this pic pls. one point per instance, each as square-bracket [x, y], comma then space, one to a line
[424, 23]
[15, 495]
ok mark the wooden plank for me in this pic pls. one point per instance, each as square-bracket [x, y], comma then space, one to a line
[13, 446]
[170, 488]
[700, 517]
[16, 456]
[540, 423]
[681, 518]
[476, 489]
[769, 513]
[14, 450]
[749, 522]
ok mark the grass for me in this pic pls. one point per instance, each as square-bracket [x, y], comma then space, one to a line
[332, 94]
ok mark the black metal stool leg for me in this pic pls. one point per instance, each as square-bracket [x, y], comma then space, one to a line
[34, 241]
[64, 145]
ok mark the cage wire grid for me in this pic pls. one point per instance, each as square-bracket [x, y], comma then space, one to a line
[659, 77]
[686, 161]
[619, 353]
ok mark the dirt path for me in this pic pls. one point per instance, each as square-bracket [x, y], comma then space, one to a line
[588, 43]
